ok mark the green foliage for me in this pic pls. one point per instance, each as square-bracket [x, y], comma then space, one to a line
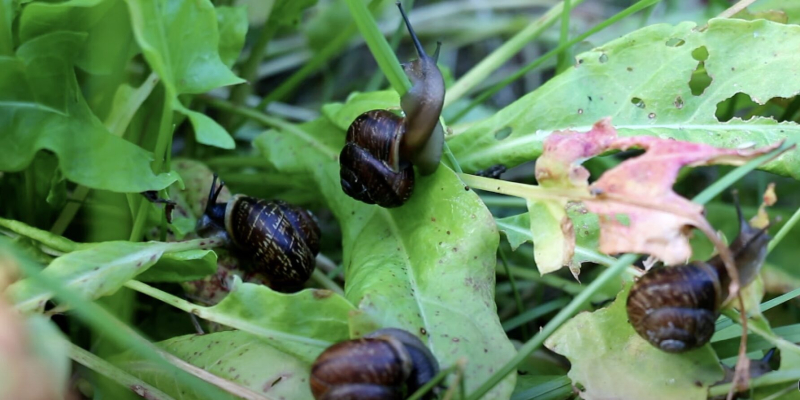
[642, 82]
[113, 96]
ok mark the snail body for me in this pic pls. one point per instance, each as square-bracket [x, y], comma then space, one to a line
[281, 239]
[387, 364]
[675, 308]
[382, 147]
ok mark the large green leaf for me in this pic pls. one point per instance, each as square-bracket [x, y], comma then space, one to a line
[180, 39]
[642, 81]
[427, 267]
[609, 360]
[41, 107]
[234, 355]
[97, 271]
[232, 31]
[8, 11]
[109, 36]
[302, 324]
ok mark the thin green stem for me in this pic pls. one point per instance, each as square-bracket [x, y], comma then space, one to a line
[562, 62]
[784, 231]
[567, 312]
[504, 201]
[117, 375]
[533, 313]
[377, 78]
[383, 53]
[70, 210]
[493, 61]
[160, 153]
[551, 280]
[267, 120]
[517, 298]
[328, 283]
[48, 239]
[541, 60]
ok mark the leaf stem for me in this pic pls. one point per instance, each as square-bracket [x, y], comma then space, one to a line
[250, 66]
[117, 375]
[326, 282]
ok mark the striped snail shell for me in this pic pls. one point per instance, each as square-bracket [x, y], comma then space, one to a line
[388, 364]
[281, 239]
[376, 162]
[675, 308]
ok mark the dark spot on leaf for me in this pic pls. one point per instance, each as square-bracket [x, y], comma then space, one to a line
[678, 102]
[698, 383]
[448, 232]
[630, 69]
[466, 188]
[603, 58]
[590, 98]
[422, 331]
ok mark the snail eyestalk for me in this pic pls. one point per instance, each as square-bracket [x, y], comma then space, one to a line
[417, 44]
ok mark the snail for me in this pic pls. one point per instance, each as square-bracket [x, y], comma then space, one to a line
[282, 239]
[388, 364]
[674, 308]
[382, 147]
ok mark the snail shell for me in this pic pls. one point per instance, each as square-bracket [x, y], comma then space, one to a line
[386, 364]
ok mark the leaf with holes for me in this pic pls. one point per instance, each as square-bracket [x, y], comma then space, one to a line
[427, 267]
[642, 81]
[609, 360]
[236, 356]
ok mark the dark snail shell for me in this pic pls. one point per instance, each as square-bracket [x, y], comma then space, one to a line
[376, 163]
[281, 239]
[387, 364]
[364, 174]
[674, 308]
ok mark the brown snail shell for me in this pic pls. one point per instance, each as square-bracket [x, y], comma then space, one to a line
[376, 163]
[386, 364]
[281, 239]
[364, 174]
[675, 308]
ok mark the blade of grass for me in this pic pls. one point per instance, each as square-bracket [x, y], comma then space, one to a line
[377, 78]
[533, 313]
[380, 48]
[562, 62]
[517, 298]
[606, 276]
[642, 4]
[117, 375]
[768, 379]
[493, 61]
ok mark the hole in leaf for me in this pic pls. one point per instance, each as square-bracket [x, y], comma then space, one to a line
[603, 58]
[741, 105]
[638, 102]
[675, 42]
[503, 133]
[678, 102]
[700, 80]
[700, 53]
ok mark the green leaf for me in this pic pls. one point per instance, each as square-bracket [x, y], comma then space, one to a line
[302, 324]
[232, 31]
[426, 267]
[8, 11]
[180, 40]
[552, 249]
[516, 228]
[97, 271]
[181, 267]
[288, 12]
[642, 81]
[42, 108]
[235, 356]
[610, 360]
[109, 36]
[530, 387]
